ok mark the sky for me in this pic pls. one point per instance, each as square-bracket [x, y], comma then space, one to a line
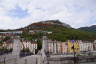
[19, 13]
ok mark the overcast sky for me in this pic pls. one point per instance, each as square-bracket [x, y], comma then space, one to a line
[19, 13]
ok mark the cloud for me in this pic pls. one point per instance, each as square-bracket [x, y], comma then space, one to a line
[20, 13]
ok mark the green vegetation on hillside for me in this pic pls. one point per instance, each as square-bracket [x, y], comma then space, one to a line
[62, 33]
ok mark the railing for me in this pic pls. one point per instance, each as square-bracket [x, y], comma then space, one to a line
[49, 59]
[70, 60]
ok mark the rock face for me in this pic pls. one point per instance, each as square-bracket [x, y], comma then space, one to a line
[90, 28]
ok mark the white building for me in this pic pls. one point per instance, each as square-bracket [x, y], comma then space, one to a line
[32, 46]
[85, 46]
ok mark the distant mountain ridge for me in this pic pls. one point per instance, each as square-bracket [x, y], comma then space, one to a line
[90, 28]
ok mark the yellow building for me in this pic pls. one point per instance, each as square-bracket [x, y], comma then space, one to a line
[70, 50]
[76, 46]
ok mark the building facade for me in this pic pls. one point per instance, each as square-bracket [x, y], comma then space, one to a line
[85, 46]
[32, 46]
[94, 45]
[53, 46]
[70, 46]
[73, 46]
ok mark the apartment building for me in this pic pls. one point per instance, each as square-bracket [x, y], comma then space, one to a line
[32, 46]
[85, 46]
[57, 47]
[53, 46]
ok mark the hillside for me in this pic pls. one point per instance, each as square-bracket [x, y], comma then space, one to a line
[60, 31]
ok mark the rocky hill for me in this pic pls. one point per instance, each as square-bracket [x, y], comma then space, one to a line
[45, 24]
[60, 31]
